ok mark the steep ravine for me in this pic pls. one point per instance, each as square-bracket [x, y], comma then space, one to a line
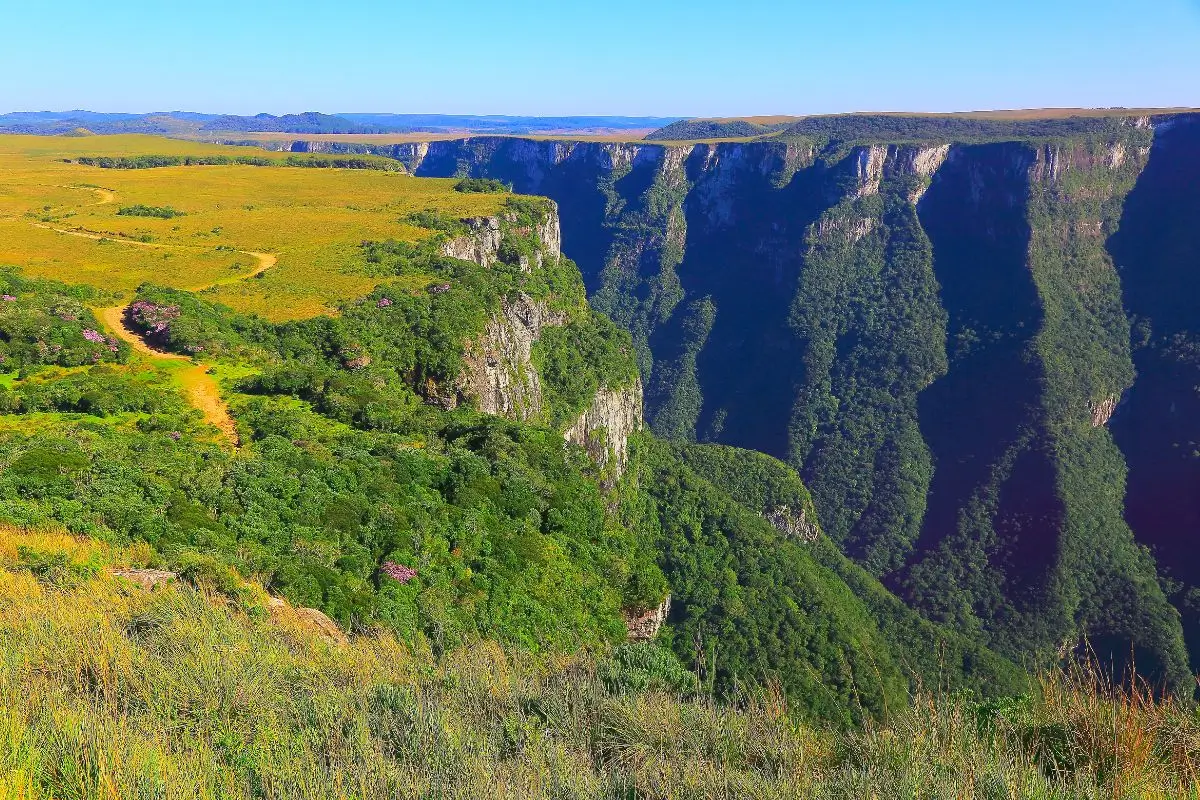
[934, 334]
[1157, 425]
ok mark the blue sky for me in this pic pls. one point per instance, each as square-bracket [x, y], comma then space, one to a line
[697, 58]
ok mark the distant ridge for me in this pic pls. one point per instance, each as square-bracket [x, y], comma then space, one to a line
[957, 125]
[195, 125]
[308, 122]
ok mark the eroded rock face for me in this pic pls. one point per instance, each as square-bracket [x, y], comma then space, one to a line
[498, 371]
[146, 578]
[1102, 411]
[920, 162]
[604, 429]
[868, 167]
[644, 626]
[481, 245]
[793, 523]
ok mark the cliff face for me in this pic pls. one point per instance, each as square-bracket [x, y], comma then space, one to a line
[481, 242]
[499, 375]
[498, 371]
[605, 427]
[935, 335]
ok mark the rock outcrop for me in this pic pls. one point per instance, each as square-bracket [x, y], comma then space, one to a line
[793, 523]
[605, 427]
[146, 578]
[480, 244]
[498, 371]
[645, 625]
[1102, 411]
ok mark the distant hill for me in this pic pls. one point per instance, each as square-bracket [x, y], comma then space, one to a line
[440, 123]
[958, 126]
[173, 123]
[196, 125]
[308, 122]
[719, 128]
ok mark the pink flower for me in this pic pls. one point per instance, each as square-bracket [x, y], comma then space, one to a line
[153, 318]
[93, 336]
[398, 572]
[383, 303]
[8, 298]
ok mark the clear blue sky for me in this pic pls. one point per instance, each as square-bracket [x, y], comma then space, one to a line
[609, 57]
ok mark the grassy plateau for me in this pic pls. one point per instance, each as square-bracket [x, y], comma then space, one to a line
[63, 220]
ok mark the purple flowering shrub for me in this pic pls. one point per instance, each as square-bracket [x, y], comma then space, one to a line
[398, 572]
[46, 322]
[183, 323]
[151, 318]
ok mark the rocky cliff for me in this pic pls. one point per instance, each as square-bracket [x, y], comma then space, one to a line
[499, 375]
[481, 240]
[498, 371]
[605, 427]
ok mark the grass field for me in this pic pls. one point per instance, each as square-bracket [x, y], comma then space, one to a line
[60, 220]
[108, 690]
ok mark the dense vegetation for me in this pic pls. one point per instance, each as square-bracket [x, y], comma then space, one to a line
[482, 186]
[861, 128]
[687, 129]
[48, 323]
[313, 161]
[159, 212]
[109, 690]
[892, 128]
[938, 356]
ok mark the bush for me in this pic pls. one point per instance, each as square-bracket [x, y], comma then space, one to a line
[482, 186]
[645, 667]
[165, 212]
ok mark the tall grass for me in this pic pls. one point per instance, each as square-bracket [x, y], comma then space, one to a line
[109, 691]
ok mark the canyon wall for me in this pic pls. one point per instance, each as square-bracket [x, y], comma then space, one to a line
[939, 335]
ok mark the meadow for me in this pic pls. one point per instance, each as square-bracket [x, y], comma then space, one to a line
[62, 220]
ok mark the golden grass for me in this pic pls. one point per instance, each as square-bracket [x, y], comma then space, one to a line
[108, 691]
[60, 220]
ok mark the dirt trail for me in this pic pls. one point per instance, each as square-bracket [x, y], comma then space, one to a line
[265, 260]
[201, 389]
[106, 195]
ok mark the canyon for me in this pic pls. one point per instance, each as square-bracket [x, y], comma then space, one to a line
[977, 349]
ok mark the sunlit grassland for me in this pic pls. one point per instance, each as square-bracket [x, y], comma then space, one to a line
[312, 219]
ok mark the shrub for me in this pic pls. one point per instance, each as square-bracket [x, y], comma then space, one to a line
[482, 186]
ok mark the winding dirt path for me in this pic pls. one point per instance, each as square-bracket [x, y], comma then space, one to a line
[199, 386]
[265, 260]
[106, 195]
